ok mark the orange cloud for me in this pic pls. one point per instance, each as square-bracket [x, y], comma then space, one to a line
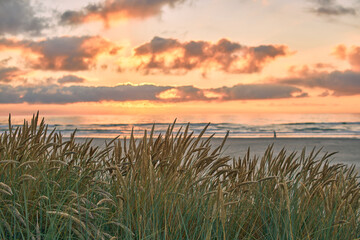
[61, 53]
[306, 70]
[354, 58]
[340, 52]
[171, 56]
[352, 55]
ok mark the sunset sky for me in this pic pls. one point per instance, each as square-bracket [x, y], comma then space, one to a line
[179, 56]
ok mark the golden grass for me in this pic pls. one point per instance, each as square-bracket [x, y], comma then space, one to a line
[171, 186]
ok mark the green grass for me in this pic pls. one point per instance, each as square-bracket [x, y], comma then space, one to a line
[171, 186]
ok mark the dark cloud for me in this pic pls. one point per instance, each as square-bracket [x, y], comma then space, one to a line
[324, 94]
[323, 66]
[18, 16]
[236, 92]
[258, 91]
[332, 8]
[10, 74]
[5, 61]
[109, 10]
[61, 53]
[9, 94]
[340, 83]
[70, 79]
[157, 45]
[72, 94]
[56, 94]
[335, 10]
[170, 56]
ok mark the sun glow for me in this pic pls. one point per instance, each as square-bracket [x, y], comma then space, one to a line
[169, 94]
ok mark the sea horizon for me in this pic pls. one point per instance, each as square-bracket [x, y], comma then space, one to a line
[239, 125]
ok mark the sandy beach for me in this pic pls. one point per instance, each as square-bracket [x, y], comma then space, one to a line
[348, 149]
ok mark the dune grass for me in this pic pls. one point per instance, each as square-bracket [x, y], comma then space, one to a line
[171, 186]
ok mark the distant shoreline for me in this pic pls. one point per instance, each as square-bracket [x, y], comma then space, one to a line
[237, 138]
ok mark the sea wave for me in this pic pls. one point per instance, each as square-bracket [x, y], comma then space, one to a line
[299, 129]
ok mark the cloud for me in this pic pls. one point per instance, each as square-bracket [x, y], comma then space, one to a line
[5, 61]
[354, 58]
[332, 8]
[60, 95]
[18, 16]
[171, 56]
[61, 53]
[109, 10]
[9, 94]
[56, 94]
[323, 65]
[184, 94]
[258, 91]
[340, 52]
[352, 55]
[344, 83]
[324, 94]
[9, 74]
[309, 70]
[236, 92]
[70, 79]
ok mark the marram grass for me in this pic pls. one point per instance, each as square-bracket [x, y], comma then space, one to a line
[172, 186]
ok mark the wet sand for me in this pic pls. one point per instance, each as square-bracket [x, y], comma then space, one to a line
[348, 149]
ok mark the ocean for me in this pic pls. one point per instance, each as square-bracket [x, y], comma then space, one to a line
[239, 126]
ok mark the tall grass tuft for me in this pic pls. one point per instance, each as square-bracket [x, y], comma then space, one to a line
[171, 186]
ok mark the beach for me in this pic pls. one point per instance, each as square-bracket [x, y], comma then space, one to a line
[348, 149]
[175, 182]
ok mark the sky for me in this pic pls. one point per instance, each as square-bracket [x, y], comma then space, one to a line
[179, 56]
